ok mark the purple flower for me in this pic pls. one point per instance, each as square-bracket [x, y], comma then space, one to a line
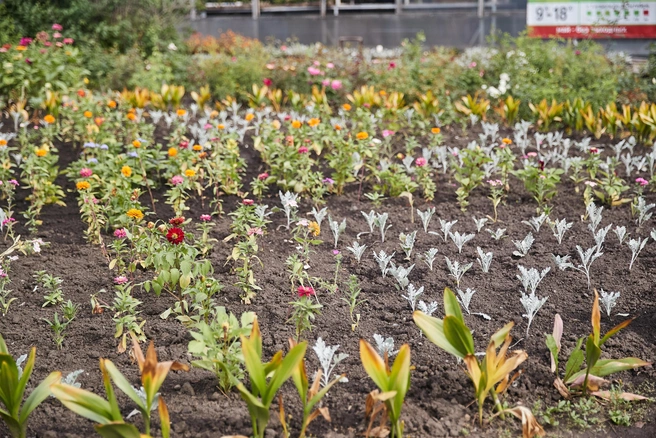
[328, 181]
[335, 252]
[122, 279]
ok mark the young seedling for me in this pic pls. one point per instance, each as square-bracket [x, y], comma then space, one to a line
[426, 217]
[58, 327]
[51, 284]
[587, 258]
[536, 222]
[371, 222]
[524, 245]
[609, 300]
[445, 228]
[643, 210]
[337, 228]
[429, 257]
[401, 274]
[290, 206]
[427, 309]
[352, 301]
[383, 261]
[636, 246]
[393, 384]
[460, 240]
[456, 270]
[600, 236]
[594, 215]
[484, 259]
[531, 278]
[559, 228]
[497, 234]
[532, 303]
[408, 243]
[413, 294]
[381, 221]
[385, 346]
[480, 223]
[620, 232]
[464, 298]
[319, 215]
[357, 250]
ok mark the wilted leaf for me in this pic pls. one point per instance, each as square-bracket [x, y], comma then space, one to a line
[607, 395]
[530, 426]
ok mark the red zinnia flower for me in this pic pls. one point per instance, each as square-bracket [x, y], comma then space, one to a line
[177, 220]
[175, 235]
[306, 291]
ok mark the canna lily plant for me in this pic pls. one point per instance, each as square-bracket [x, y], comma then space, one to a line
[107, 412]
[589, 378]
[266, 378]
[491, 375]
[13, 381]
[393, 384]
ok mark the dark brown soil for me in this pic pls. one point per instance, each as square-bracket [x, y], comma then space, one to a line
[440, 400]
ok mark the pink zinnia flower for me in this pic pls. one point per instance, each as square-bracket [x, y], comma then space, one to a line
[13, 182]
[207, 126]
[328, 181]
[56, 35]
[643, 182]
[330, 65]
[120, 233]
[68, 40]
[473, 64]
[57, 26]
[420, 162]
[263, 176]
[25, 41]
[247, 202]
[267, 82]
[86, 172]
[316, 63]
[532, 154]
[302, 150]
[306, 291]
[256, 231]
[59, 44]
[205, 217]
[326, 82]
[392, 65]
[121, 279]
[177, 180]
[314, 71]
[184, 144]
[387, 133]
[336, 84]
[7, 221]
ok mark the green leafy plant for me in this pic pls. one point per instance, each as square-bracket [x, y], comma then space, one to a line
[13, 382]
[265, 378]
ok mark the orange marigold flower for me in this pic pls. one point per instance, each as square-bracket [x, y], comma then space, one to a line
[136, 143]
[134, 213]
[126, 171]
[99, 121]
[346, 107]
[314, 122]
[362, 135]
[83, 185]
[249, 117]
[506, 140]
[220, 126]
[296, 124]
[41, 152]
[338, 128]
[190, 173]
[214, 114]
[3, 142]
[21, 48]
[382, 92]
[173, 152]
[88, 114]
[49, 119]
[436, 130]
[181, 112]
[111, 104]
[197, 148]
[131, 116]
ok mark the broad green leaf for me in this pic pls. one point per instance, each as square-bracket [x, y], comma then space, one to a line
[253, 362]
[122, 383]
[118, 430]
[614, 330]
[574, 361]
[458, 335]
[592, 352]
[39, 394]
[452, 306]
[399, 380]
[500, 336]
[553, 349]
[283, 373]
[83, 402]
[433, 328]
[374, 365]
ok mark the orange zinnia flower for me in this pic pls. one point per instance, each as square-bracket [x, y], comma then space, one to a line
[190, 173]
[49, 119]
[88, 114]
[314, 122]
[131, 116]
[436, 130]
[362, 135]
[249, 117]
[126, 171]
[181, 112]
[3, 142]
[173, 152]
[111, 104]
[197, 147]
[136, 143]
[506, 140]
[346, 107]
[83, 185]
[296, 124]
[220, 126]
[41, 152]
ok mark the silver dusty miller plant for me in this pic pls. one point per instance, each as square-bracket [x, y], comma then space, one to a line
[536, 222]
[383, 261]
[609, 300]
[484, 259]
[328, 359]
[319, 215]
[620, 232]
[426, 217]
[587, 257]
[445, 228]
[456, 270]
[337, 228]
[636, 245]
[460, 239]
[594, 216]
[531, 278]
[400, 274]
[429, 257]
[532, 303]
[524, 245]
[371, 222]
[428, 309]
[289, 206]
[408, 243]
[497, 234]
[385, 346]
[357, 250]
[643, 211]
[480, 223]
[558, 228]
[381, 223]
[412, 294]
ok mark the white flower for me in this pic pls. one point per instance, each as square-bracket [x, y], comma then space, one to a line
[504, 77]
[493, 92]
[172, 47]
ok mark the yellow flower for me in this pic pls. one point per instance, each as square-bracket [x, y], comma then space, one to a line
[214, 114]
[314, 122]
[314, 228]
[3, 142]
[136, 143]
[346, 107]
[249, 117]
[436, 130]
[21, 48]
[382, 92]
[362, 135]
[83, 185]
[126, 171]
[88, 114]
[197, 147]
[400, 156]
[220, 126]
[181, 112]
[173, 152]
[190, 173]
[296, 124]
[276, 124]
[506, 140]
[49, 119]
[111, 104]
[133, 213]
[41, 152]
